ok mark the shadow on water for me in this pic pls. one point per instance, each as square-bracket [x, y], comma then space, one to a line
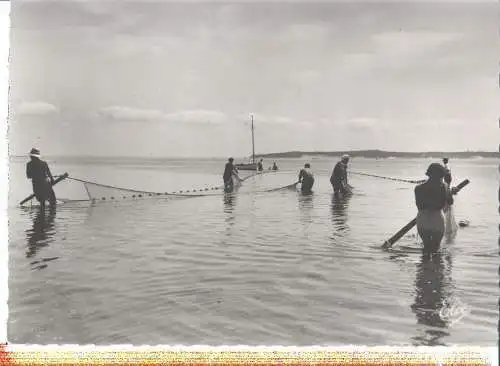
[433, 299]
[339, 208]
[41, 234]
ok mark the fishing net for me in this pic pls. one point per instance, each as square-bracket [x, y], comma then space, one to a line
[98, 192]
[103, 192]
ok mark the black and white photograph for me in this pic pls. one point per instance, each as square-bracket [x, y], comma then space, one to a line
[253, 173]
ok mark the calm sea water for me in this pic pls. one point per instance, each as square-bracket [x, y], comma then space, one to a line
[253, 268]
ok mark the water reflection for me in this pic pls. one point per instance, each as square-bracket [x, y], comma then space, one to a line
[306, 207]
[432, 305]
[229, 206]
[42, 231]
[339, 212]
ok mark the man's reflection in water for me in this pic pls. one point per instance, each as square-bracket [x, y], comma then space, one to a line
[433, 299]
[229, 205]
[306, 206]
[42, 231]
[339, 213]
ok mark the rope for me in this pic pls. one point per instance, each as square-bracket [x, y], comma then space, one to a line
[389, 178]
[181, 193]
[108, 186]
[290, 186]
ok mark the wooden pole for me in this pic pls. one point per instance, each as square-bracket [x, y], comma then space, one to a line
[60, 178]
[393, 239]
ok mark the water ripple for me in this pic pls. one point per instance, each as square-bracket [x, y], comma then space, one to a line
[252, 268]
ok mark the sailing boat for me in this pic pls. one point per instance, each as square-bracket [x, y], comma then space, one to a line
[253, 164]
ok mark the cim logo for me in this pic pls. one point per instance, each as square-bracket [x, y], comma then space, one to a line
[453, 312]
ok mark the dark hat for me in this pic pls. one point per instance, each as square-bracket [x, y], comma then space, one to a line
[307, 165]
[435, 170]
[231, 159]
[35, 152]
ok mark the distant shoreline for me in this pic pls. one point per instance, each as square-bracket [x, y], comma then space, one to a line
[369, 154]
[384, 154]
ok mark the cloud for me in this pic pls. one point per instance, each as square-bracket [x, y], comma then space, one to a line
[363, 123]
[128, 114]
[396, 47]
[197, 116]
[305, 32]
[263, 119]
[307, 76]
[36, 108]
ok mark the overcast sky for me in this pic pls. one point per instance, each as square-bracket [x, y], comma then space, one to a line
[170, 79]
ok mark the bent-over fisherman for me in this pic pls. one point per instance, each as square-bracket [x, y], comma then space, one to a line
[41, 178]
[306, 178]
[229, 171]
[338, 179]
[431, 197]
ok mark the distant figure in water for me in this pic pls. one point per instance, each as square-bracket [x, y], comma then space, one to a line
[260, 166]
[306, 177]
[338, 178]
[229, 171]
[449, 215]
[41, 178]
[431, 198]
[447, 175]
[275, 166]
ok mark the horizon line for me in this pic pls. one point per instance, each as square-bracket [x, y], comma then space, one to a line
[304, 152]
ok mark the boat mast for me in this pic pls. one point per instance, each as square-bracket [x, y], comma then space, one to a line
[253, 143]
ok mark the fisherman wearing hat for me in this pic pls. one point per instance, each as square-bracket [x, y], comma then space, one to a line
[431, 197]
[41, 178]
[306, 178]
[338, 178]
[229, 171]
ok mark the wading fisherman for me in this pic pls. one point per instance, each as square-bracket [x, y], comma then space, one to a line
[431, 197]
[450, 222]
[260, 167]
[447, 175]
[41, 178]
[306, 177]
[338, 178]
[229, 171]
[275, 166]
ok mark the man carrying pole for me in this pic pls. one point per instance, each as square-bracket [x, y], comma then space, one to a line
[41, 178]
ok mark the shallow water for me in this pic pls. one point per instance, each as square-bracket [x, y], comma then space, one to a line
[253, 268]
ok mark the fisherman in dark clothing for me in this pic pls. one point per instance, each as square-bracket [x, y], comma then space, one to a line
[306, 177]
[431, 198]
[229, 170]
[275, 166]
[338, 178]
[41, 178]
[260, 167]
